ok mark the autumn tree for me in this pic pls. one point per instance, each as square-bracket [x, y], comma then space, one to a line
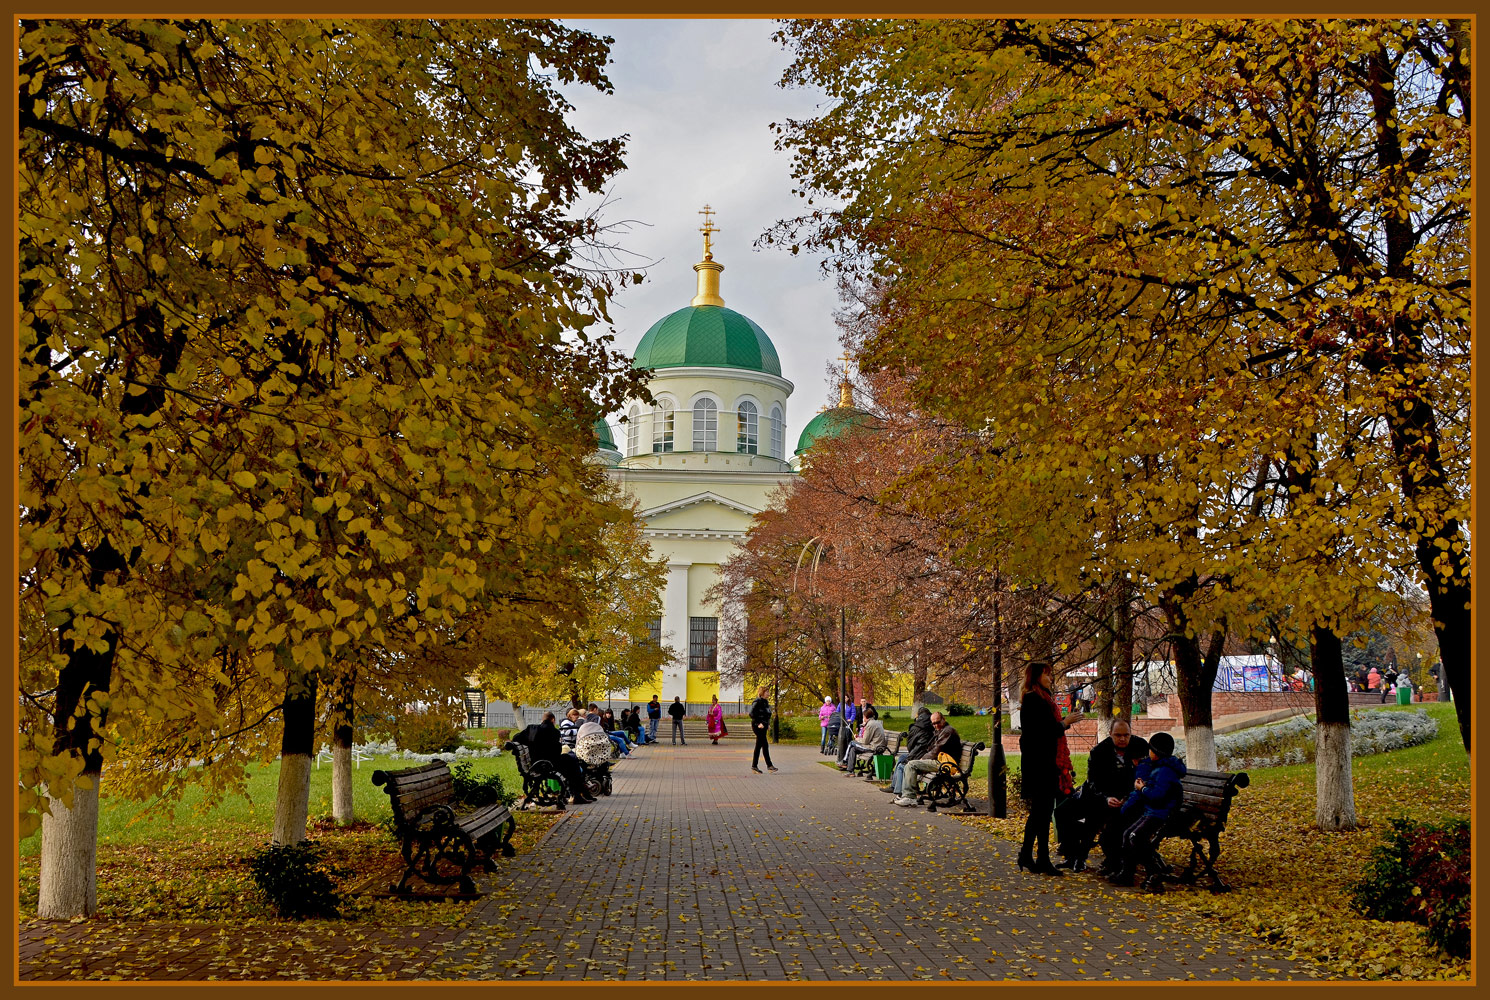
[606, 646]
[303, 354]
[1269, 198]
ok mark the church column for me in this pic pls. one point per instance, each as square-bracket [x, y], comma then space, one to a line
[675, 632]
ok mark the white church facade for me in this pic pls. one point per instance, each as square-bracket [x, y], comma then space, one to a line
[701, 461]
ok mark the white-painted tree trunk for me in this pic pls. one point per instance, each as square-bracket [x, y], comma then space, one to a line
[519, 723]
[1334, 802]
[1104, 726]
[342, 810]
[69, 856]
[916, 709]
[293, 799]
[1200, 748]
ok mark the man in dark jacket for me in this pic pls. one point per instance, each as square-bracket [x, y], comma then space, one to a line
[1109, 780]
[654, 717]
[760, 722]
[677, 711]
[543, 743]
[943, 741]
[917, 738]
[1157, 793]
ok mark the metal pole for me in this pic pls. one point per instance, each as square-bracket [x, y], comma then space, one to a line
[843, 736]
[775, 693]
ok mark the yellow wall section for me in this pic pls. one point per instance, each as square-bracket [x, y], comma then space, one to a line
[643, 694]
[702, 685]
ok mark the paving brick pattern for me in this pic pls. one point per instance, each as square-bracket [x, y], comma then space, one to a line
[697, 868]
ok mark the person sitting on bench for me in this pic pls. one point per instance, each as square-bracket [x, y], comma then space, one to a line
[1080, 818]
[872, 740]
[543, 743]
[1157, 793]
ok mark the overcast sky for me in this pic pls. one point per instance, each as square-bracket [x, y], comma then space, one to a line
[697, 99]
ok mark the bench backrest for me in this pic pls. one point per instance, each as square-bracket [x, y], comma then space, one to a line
[520, 754]
[893, 746]
[415, 789]
[969, 754]
[1209, 793]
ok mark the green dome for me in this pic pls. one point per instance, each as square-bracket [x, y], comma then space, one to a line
[708, 336]
[603, 439]
[830, 424]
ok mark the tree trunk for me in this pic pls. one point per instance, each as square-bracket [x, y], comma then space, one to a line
[519, 722]
[69, 854]
[69, 837]
[1195, 673]
[1122, 668]
[292, 802]
[1334, 792]
[918, 679]
[1106, 658]
[343, 709]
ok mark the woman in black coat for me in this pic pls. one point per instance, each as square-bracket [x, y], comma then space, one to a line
[1040, 728]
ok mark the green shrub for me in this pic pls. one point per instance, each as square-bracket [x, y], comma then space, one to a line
[1421, 873]
[427, 732]
[788, 727]
[297, 879]
[479, 790]
[958, 708]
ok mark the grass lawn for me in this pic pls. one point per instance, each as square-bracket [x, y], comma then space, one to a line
[1291, 882]
[183, 860]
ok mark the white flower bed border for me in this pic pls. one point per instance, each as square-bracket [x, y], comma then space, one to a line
[1371, 732]
[390, 749]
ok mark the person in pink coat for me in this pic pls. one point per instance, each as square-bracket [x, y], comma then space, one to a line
[824, 716]
[715, 718]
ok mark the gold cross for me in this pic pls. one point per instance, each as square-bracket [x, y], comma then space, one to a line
[708, 229]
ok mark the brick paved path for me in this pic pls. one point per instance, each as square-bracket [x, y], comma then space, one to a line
[698, 868]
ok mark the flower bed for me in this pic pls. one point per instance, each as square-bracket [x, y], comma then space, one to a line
[1292, 740]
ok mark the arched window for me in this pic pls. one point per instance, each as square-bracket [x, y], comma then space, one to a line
[747, 436]
[662, 427]
[633, 431]
[705, 425]
[778, 433]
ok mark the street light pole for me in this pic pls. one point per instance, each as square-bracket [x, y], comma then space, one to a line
[843, 735]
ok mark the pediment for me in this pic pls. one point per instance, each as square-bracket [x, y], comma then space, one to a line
[707, 497]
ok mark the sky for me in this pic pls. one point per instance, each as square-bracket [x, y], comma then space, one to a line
[697, 99]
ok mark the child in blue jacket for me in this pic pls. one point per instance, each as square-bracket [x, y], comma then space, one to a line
[1156, 795]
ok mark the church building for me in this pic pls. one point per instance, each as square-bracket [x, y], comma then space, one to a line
[701, 462]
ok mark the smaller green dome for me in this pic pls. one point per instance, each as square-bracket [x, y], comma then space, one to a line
[830, 424]
[603, 439]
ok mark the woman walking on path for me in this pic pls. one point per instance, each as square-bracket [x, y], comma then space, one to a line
[1042, 738]
[716, 721]
[760, 721]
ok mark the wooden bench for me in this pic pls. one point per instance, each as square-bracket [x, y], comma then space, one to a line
[947, 785]
[543, 785]
[1200, 819]
[440, 846]
[864, 764]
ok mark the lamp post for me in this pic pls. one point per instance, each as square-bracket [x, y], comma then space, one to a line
[818, 543]
[776, 612]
